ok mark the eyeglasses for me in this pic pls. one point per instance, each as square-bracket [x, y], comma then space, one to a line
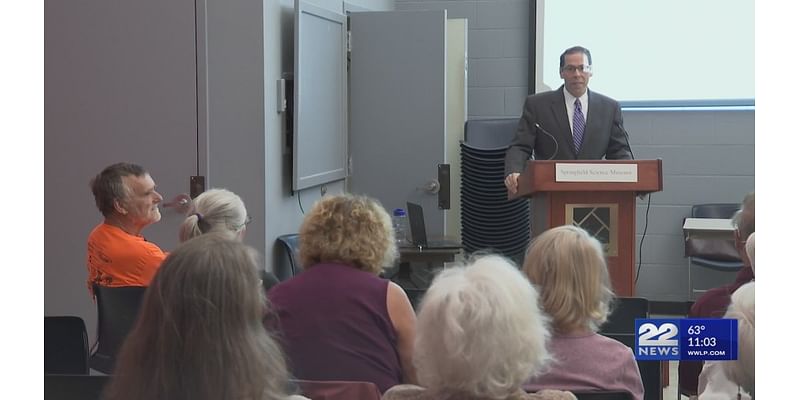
[579, 68]
[247, 220]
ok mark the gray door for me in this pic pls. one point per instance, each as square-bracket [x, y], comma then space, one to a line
[397, 108]
[120, 85]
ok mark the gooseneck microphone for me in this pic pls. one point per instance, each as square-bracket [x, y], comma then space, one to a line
[539, 127]
[625, 134]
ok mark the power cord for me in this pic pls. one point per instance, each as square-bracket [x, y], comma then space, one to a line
[641, 243]
[300, 204]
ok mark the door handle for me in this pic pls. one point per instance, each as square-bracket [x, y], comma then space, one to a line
[431, 187]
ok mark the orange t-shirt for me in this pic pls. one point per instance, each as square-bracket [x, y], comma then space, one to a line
[117, 258]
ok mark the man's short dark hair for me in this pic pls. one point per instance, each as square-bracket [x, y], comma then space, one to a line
[573, 50]
[107, 186]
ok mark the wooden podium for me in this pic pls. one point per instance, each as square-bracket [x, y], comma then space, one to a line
[597, 195]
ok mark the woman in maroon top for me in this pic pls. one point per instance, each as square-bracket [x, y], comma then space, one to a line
[338, 320]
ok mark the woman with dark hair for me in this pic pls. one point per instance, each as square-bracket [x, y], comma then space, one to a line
[199, 333]
[338, 319]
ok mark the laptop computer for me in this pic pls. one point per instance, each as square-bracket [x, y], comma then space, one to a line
[419, 235]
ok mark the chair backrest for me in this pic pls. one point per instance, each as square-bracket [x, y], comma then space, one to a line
[66, 346]
[603, 395]
[713, 252]
[415, 296]
[339, 390]
[74, 387]
[490, 133]
[623, 314]
[288, 265]
[649, 370]
[714, 210]
[117, 310]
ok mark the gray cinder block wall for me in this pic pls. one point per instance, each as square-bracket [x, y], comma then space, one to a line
[709, 154]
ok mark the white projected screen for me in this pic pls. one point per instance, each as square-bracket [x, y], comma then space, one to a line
[645, 50]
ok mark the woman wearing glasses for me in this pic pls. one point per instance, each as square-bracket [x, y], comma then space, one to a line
[220, 210]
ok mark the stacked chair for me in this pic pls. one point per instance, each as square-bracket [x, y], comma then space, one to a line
[489, 221]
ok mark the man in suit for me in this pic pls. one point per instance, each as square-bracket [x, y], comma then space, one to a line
[569, 123]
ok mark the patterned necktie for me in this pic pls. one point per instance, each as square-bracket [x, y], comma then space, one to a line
[578, 125]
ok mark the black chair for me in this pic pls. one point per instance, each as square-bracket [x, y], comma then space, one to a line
[603, 395]
[117, 310]
[288, 264]
[649, 370]
[74, 387]
[415, 295]
[66, 346]
[714, 254]
[624, 312]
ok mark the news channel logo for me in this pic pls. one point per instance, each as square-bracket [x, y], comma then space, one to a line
[686, 339]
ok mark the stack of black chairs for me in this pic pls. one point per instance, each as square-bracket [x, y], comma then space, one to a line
[489, 221]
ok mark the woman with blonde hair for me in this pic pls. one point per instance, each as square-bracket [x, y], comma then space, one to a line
[199, 333]
[568, 267]
[338, 319]
[480, 335]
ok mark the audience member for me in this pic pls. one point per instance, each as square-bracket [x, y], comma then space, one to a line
[480, 335]
[118, 254]
[735, 379]
[568, 267]
[714, 302]
[199, 334]
[338, 319]
[750, 250]
[220, 210]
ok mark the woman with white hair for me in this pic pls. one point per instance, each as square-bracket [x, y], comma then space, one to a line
[735, 379]
[215, 210]
[568, 267]
[480, 335]
[221, 211]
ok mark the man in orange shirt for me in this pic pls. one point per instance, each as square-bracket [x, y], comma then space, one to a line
[118, 255]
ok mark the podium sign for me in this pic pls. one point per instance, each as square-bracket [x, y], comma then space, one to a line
[597, 195]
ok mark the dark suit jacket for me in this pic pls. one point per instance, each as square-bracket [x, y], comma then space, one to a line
[603, 136]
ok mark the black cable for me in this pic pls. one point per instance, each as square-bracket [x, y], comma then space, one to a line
[300, 204]
[641, 243]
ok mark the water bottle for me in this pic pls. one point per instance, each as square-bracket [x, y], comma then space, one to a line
[400, 224]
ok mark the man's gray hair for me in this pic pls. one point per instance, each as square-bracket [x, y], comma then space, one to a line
[107, 186]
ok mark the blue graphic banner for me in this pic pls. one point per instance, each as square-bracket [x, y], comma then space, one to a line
[687, 339]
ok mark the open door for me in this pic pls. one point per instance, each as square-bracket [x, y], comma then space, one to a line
[398, 112]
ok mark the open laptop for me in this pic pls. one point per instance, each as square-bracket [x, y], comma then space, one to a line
[419, 236]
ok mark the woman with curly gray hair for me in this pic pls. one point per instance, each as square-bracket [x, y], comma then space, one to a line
[480, 336]
[338, 319]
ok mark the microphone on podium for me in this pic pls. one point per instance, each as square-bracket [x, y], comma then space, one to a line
[539, 127]
[625, 133]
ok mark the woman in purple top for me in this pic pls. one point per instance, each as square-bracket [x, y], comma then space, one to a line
[569, 269]
[338, 320]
